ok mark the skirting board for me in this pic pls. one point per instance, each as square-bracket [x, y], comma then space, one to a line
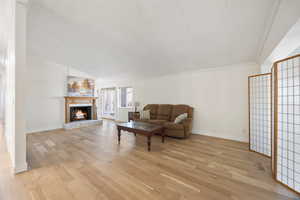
[207, 133]
[21, 168]
[43, 130]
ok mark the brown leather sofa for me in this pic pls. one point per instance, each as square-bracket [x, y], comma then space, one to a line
[165, 114]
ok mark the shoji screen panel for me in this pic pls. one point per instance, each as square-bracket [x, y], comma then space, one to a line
[273, 118]
[287, 122]
[260, 113]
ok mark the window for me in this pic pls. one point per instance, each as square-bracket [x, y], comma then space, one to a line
[126, 97]
[108, 96]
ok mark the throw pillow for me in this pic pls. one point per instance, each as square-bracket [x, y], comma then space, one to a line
[145, 114]
[180, 118]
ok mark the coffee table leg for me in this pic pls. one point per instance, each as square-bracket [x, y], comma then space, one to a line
[149, 143]
[163, 136]
[119, 135]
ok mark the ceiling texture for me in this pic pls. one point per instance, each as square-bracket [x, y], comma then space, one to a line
[145, 38]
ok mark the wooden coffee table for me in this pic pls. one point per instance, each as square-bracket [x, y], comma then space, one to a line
[141, 128]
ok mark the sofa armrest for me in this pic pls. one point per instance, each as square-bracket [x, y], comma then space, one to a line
[187, 124]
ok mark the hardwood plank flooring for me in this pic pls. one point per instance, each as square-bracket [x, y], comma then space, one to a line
[11, 187]
[88, 163]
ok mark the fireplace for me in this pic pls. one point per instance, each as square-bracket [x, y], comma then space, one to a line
[80, 109]
[80, 112]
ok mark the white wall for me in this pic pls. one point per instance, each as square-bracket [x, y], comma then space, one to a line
[13, 64]
[7, 21]
[2, 93]
[47, 86]
[219, 97]
[20, 86]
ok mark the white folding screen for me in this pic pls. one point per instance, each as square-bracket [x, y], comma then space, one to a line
[286, 157]
[260, 120]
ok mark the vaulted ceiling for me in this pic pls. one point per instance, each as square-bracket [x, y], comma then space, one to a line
[117, 38]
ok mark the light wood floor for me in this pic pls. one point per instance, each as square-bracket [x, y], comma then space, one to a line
[11, 187]
[88, 164]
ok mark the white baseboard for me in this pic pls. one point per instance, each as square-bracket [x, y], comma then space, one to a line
[200, 132]
[21, 168]
[44, 129]
[207, 133]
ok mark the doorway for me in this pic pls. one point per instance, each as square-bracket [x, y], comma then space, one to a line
[108, 102]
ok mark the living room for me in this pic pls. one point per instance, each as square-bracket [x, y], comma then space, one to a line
[149, 99]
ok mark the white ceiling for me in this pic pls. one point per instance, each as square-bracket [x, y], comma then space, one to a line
[139, 38]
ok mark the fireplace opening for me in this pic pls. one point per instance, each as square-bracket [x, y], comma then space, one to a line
[79, 113]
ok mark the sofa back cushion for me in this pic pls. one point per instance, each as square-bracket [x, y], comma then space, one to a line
[164, 111]
[153, 110]
[180, 109]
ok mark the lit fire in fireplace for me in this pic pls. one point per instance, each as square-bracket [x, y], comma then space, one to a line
[80, 115]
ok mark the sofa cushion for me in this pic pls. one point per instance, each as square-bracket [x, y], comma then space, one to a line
[145, 114]
[171, 125]
[152, 121]
[164, 111]
[153, 110]
[178, 110]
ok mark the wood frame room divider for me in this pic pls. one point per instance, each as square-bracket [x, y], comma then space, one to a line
[274, 119]
[260, 114]
[286, 154]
